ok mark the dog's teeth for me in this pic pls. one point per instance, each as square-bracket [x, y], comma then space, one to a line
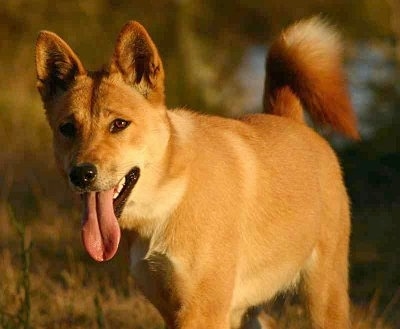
[121, 185]
[119, 188]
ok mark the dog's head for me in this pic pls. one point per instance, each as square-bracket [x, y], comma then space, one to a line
[107, 125]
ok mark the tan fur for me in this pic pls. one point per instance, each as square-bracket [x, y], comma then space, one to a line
[226, 213]
[307, 58]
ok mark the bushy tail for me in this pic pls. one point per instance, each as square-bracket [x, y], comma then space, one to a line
[304, 67]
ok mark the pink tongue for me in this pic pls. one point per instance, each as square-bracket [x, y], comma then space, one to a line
[100, 229]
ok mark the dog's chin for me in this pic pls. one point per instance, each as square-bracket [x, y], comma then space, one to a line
[123, 190]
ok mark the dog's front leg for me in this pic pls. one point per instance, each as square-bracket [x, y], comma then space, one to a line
[207, 315]
[208, 304]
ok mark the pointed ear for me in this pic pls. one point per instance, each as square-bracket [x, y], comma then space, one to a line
[57, 65]
[136, 58]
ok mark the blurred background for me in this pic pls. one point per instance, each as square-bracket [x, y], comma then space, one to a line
[214, 54]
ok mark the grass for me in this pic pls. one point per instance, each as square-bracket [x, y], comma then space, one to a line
[48, 282]
[21, 317]
[24, 311]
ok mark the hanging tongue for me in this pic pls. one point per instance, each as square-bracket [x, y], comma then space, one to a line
[100, 229]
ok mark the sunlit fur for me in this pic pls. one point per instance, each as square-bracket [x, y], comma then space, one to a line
[226, 213]
[307, 57]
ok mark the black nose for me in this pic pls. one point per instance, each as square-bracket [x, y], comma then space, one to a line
[83, 175]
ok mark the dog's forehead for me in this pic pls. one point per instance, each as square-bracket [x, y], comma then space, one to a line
[97, 95]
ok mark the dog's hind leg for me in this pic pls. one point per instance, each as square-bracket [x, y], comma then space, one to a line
[328, 303]
[326, 285]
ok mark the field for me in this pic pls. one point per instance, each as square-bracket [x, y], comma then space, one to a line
[46, 278]
[48, 281]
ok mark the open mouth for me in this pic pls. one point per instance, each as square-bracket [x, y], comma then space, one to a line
[100, 228]
[124, 189]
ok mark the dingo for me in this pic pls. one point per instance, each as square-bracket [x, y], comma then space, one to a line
[221, 214]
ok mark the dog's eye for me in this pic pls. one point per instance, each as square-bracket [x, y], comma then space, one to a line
[118, 124]
[68, 129]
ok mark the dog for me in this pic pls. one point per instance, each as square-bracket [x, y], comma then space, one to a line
[221, 214]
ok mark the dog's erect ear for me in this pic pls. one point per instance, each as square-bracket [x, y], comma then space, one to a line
[136, 58]
[57, 65]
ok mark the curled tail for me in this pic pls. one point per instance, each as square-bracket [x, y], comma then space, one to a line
[304, 68]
